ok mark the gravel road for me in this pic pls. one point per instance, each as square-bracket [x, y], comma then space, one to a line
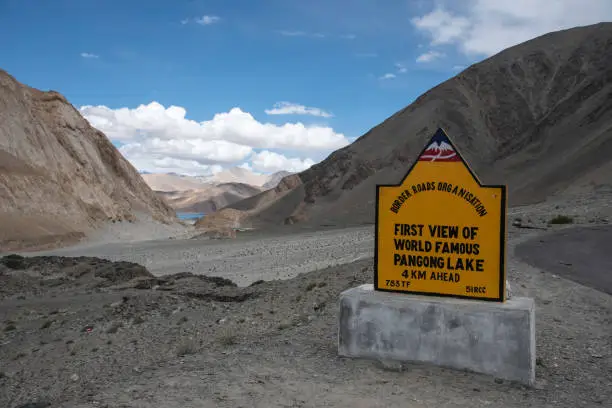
[244, 260]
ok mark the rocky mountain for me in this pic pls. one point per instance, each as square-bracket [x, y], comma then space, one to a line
[181, 182]
[209, 197]
[210, 193]
[172, 182]
[274, 179]
[60, 177]
[537, 117]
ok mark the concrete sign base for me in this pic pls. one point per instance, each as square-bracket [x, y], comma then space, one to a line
[486, 337]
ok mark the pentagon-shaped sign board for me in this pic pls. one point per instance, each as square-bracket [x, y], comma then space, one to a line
[440, 232]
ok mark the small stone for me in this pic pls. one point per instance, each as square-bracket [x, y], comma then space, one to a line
[499, 381]
[391, 365]
[539, 385]
[39, 404]
[74, 377]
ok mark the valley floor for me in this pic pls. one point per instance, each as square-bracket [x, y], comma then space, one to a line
[250, 257]
[103, 339]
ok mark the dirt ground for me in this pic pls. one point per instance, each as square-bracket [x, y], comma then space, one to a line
[581, 254]
[250, 257]
[87, 332]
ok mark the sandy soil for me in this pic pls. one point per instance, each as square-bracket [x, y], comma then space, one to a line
[84, 332]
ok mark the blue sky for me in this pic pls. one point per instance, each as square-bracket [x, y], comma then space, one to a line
[354, 62]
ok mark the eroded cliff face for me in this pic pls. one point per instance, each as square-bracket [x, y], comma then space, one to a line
[60, 177]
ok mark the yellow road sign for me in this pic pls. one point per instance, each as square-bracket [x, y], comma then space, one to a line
[440, 231]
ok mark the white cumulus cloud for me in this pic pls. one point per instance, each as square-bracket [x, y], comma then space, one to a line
[288, 108]
[387, 76]
[236, 126]
[203, 151]
[207, 20]
[144, 161]
[442, 26]
[485, 27]
[156, 137]
[89, 55]
[268, 161]
[288, 33]
[401, 68]
[429, 56]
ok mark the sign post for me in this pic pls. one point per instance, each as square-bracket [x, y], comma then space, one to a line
[439, 290]
[440, 232]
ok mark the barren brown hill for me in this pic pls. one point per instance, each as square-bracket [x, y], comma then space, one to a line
[537, 116]
[171, 182]
[209, 193]
[208, 197]
[60, 177]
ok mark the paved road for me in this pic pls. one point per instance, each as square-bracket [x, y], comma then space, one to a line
[250, 257]
[582, 254]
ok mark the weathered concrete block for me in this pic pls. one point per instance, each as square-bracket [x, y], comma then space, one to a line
[486, 337]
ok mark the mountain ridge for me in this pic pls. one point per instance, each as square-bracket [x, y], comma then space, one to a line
[206, 194]
[209, 198]
[502, 113]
